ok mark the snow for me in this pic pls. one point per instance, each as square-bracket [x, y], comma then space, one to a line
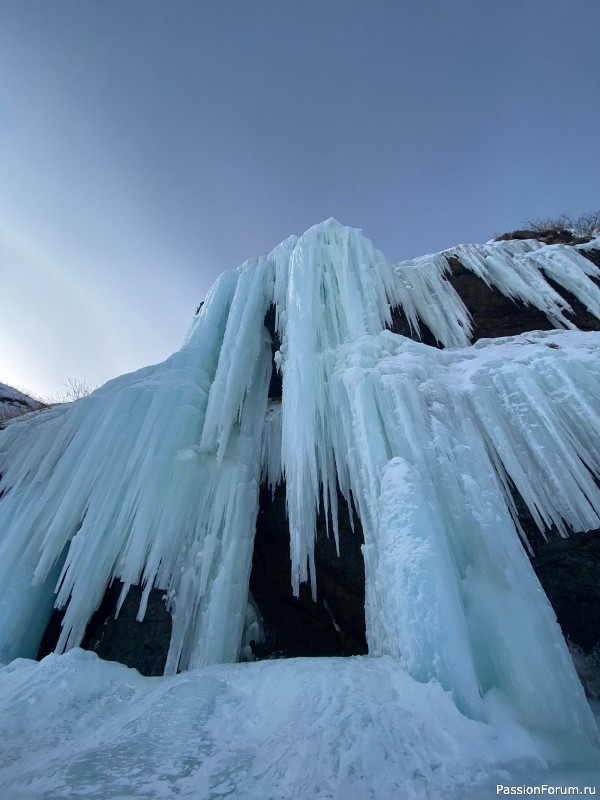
[8, 394]
[594, 244]
[74, 726]
[153, 479]
[14, 403]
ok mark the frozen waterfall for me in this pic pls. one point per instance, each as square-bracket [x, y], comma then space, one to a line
[154, 478]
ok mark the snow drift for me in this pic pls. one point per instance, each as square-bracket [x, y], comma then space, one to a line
[154, 478]
[297, 729]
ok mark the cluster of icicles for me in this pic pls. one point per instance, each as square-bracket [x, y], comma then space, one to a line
[154, 478]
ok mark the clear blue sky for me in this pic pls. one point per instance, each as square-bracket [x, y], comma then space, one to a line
[147, 146]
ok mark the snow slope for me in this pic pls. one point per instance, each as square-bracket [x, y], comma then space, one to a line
[154, 478]
[14, 403]
[301, 729]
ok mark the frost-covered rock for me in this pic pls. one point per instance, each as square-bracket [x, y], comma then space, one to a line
[14, 403]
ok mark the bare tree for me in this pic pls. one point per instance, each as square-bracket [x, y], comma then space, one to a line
[74, 389]
[584, 225]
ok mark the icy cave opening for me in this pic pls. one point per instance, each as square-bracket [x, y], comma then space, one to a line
[330, 621]
[333, 622]
[281, 625]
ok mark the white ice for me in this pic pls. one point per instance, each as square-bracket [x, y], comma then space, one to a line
[74, 726]
[593, 244]
[154, 477]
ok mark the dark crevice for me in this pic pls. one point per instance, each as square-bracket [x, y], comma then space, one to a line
[142, 645]
[276, 382]
[569, 572]
[401, 325]
[580, 315]
[591, 255]
[51, 634]
[334, 625]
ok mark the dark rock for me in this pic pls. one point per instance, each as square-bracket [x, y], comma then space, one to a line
[569, 572]
[547, 236]
[142, 645]
[401, 325]
[493, 313]
[276, 382]
[525, 233]
[334, 624]
[592, 255]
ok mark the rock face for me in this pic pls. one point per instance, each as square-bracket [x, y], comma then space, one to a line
[13, 404]
[569, 571]
[142, 645]
[496, 315]
[334, 624]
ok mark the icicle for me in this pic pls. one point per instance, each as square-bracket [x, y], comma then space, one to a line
[514, 269]
[270, 459]
[335, 288]
[430, 297]
[120, 478]
[154, 478]
[444, 566]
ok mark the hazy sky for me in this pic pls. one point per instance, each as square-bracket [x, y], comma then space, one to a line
[147, 146]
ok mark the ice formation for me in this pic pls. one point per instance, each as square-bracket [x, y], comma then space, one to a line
[154, 478]
[290, 729]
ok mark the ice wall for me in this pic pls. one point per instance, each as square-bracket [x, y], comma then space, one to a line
[154, 478]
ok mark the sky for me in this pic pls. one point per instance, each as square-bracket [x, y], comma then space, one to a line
[147, 146]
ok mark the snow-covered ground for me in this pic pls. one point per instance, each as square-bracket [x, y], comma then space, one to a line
[74, 726]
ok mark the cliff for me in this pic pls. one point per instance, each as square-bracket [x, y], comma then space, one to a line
[344, 457]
